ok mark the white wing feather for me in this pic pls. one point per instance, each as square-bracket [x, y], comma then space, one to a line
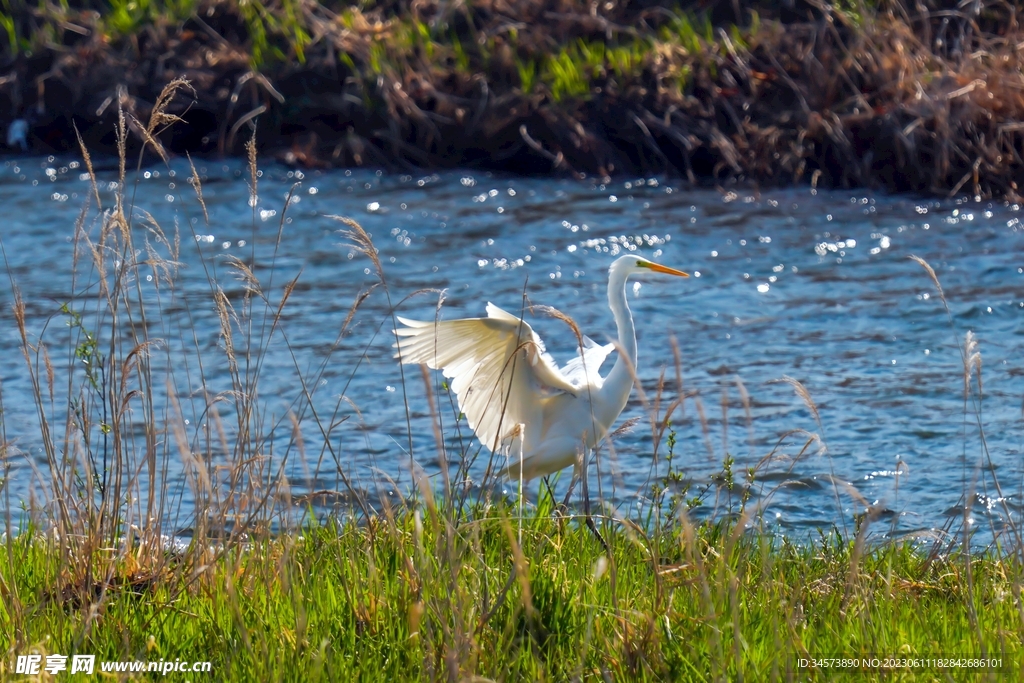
[489, 368]
[582, 370]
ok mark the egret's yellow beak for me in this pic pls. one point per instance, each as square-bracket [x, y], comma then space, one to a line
[665, 269]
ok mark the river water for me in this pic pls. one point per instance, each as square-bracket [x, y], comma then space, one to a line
[813, 286]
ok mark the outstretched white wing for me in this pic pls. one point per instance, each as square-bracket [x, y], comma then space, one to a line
[497, 365]
[582, 369]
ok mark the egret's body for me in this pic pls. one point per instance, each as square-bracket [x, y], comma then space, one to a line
[513, 395]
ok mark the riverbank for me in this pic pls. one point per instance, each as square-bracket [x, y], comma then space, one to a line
[900, 97]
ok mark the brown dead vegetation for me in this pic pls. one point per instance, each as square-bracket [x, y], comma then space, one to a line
[923, 97]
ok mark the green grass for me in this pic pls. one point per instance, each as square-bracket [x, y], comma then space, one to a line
[280, 33]
[575, 72]
[129, 17]
[419, 596]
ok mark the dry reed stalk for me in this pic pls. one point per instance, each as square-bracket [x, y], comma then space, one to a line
[197, 185]
[87, 158]
[225, 314]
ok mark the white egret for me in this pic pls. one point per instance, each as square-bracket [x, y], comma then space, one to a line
[510, 389]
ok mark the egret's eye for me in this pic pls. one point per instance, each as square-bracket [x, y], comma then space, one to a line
[640, 264]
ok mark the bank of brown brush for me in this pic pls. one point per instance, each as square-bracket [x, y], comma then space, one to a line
[903, 97]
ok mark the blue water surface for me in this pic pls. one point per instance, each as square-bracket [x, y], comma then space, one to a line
[789, 286]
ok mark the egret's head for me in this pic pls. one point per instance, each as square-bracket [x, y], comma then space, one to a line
[638, 264]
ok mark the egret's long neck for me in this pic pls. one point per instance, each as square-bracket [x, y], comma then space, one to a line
[619, 381]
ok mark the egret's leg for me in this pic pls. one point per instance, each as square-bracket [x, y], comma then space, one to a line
[572, 487]
[590, 520]
[545, 483]
[585, 492]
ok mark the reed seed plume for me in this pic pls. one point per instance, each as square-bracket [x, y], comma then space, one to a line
[286, 293]
[148, 139]
[553, 312]
[87, 158]
[160, 117]
[804, 395]
[79, 231]
[197, 185]
[250, 150]
[121, 134]
[49, 370]
[164, 269]
[165, 265]
[361, 242]
[245, 275]
[934, 278]
[626, 427]
[18, 309]
[225, 314]
[356, 303]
